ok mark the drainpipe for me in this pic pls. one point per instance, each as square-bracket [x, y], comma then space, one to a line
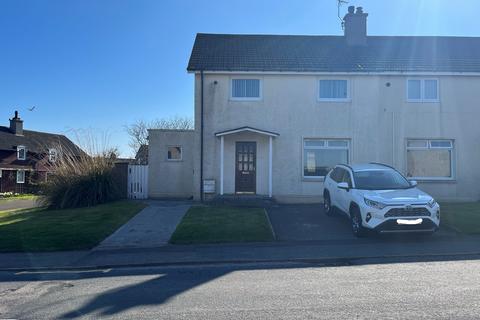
[201, 135]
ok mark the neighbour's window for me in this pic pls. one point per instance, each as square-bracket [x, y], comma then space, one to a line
[20, 176]
[333, 90]
[174, 153]
[21, 153]
[320, 155]
[52, 155]
[422, 90]
[430, 159]
[246, 89]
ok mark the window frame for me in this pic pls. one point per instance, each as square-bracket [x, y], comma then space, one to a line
[181, 152]
[429, 147]
[347, 99]
[422, 90]
[50, 155]
[20, 181]
[21, 147]
[324, 147]
[260, 89]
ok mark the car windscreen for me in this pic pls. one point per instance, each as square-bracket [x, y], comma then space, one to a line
[380, 180]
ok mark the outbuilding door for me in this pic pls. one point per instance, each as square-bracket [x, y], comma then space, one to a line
[245, 168]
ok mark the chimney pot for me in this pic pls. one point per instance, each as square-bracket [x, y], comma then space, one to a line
[355, 27]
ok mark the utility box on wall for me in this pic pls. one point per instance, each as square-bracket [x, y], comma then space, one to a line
[209, 186]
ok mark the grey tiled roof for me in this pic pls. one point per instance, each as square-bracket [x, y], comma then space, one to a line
[35, 141]
[223, 52]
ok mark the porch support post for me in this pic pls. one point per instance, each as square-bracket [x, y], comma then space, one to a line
[222, 142]
[270, 166]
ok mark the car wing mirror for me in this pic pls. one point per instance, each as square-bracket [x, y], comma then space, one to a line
[413, 183]
[343, 185]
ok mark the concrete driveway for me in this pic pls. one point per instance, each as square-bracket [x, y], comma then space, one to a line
[309, 222]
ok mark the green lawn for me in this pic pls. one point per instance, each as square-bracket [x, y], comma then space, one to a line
[212, 224]
[39, 229]
[462, 217]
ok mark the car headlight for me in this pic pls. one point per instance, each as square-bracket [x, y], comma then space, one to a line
[374, 204]
[432, 203]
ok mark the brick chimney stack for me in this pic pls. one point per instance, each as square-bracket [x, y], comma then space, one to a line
[355, 27]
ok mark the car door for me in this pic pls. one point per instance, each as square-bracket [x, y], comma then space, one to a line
[336, 176]
[344, 196]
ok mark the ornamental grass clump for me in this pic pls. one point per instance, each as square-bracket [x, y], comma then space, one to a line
[80, 180]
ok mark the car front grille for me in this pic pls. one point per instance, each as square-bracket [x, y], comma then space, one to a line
[412, 212]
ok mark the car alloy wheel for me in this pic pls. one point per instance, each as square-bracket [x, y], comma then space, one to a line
[327, 206]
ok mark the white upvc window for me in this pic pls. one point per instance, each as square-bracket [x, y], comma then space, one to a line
[174, 153]
[334, 90]
[321, 155]
[430, 159]
[246, 89]
[52, 155]
[422, 90]
[20, 176]
[21, 153]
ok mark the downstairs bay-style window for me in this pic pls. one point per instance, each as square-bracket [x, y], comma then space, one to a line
[246, 89]
[430, 159]
[334, 90]
[320, 155]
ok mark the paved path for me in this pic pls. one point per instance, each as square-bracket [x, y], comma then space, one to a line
[11, 204]
[152, 227]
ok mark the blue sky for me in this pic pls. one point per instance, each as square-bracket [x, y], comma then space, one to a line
[102, 64]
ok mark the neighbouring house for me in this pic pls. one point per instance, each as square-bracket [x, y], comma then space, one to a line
[141, 157]
[273, 113]
[26, 156]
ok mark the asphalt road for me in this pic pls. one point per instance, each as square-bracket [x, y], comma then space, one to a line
[416, 290]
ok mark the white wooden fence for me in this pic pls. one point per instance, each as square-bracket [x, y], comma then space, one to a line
[137, 182]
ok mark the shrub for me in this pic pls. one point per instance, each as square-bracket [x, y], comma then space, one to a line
[80, 180]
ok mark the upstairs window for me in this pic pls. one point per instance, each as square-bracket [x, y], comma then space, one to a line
[21, 153]
[334, 90]
[52, 155]
[246, 89]
[422, 90]
[174, 153]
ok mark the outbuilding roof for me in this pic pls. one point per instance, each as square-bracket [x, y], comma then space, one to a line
[295, 53]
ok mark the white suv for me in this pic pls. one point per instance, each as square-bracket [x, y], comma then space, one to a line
[377, 197]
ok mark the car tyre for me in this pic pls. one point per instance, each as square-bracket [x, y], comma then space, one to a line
[327, 204]
[358, 230]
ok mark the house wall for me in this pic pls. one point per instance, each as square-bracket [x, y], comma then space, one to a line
[377, 121]
[170, 179]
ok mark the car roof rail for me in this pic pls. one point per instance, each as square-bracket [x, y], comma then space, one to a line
[383, 164]
[345, 165]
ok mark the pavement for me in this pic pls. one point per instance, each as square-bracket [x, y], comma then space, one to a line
[11, 204]
[422, 290]
[151, 227]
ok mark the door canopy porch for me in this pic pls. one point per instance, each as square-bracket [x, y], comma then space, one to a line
[270, 135]
[246, 129]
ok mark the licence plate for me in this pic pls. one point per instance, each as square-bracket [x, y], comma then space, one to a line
[409, 221]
